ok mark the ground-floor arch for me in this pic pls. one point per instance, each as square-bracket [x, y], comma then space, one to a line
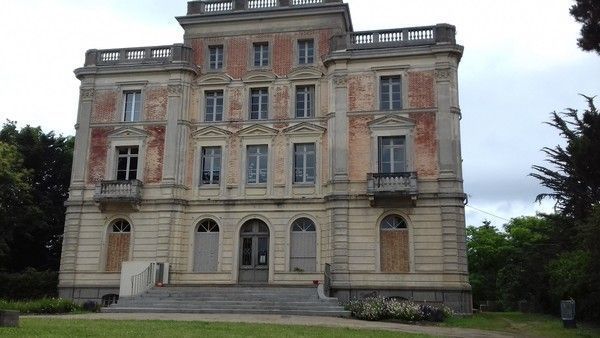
[254, 252]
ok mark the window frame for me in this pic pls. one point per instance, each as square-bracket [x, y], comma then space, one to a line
[206, 105]
[305, 155]
[380, 92]
[134, 118]
[266, 156]
[209, 62]
[268, 55]
[128, 158]
[380, 152]
[299, 58]
[313, 104]
[212, 169]
[260, 112]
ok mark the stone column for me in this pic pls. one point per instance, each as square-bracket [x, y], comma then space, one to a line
[82, 137]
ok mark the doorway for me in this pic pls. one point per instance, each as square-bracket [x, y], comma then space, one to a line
[254, 252]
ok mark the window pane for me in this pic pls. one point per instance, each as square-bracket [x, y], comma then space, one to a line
[133, 163]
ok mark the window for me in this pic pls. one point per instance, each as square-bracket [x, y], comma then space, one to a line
[257, 164]
[259, 103]
[211, 165]
[306, 52]
[392, 154]
[394, 244]
[303, 246]
[132, 106]
[390, 93]
[206, 250]
[214, 106]
[261, 54]
[127, 163]
[215, 57]
[304, 163]
[305, 101]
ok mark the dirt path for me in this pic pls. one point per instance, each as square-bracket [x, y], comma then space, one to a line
[288, 320]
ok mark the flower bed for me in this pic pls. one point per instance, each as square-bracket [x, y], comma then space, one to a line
[380, 308]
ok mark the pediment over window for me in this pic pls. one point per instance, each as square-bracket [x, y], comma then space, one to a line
[211, 132]
[258, 130]
[304, 128]
[306, 73]
[259, 76]
[214, 79]
[392, 122]
[128, 133]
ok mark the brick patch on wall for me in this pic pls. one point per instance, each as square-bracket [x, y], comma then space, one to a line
[421, 89]
[236, 104]
[359, 147]
[237, 57]
[154, 154]
[425, 145]
[104, 107]
[155, 104]
[97, 156]
[361, 92]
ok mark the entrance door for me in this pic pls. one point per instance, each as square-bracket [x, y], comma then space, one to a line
[254, 252]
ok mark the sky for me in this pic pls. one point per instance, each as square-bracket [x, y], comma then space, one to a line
[521, 63]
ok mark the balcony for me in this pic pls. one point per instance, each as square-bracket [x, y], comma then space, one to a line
[118, 193]
[394, 38]
[392, 186]
[208, 7]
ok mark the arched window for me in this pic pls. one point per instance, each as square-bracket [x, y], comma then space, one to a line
[394, 246]
[303, 246]
[119, 238]
[206, 253]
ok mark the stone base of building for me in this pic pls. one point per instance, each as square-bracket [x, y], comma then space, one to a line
[80, 295]
[461, 301]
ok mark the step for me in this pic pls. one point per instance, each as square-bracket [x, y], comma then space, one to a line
[308, 312]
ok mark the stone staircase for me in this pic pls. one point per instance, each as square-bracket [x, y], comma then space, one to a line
[280, 300]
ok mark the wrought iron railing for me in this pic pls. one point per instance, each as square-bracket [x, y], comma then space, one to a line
[402, 182]
[327, 280]
[144, 280]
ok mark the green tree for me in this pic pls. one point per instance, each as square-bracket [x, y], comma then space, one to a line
[48, 158]
[574, 178]
[587, 12]
[486, 251]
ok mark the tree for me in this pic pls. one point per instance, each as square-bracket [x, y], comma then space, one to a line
[574, 180]
[48, 158]
[587, 12]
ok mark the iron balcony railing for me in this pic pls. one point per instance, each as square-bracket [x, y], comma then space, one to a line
[119, 191]
[402, 182]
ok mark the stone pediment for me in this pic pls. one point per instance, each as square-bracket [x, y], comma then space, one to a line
[259, 76]
[211, 132]
[304, 128]
[306, 73]
[214, 79]
[258, 130]
[392, 122]
[128, 133]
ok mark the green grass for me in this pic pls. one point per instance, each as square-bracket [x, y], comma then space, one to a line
[45, 305]
[37, 327]
[523, 324]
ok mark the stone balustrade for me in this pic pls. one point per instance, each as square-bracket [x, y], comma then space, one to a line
[177, 53]
[118, 191]
[404, 183]
[400, 37]
[224, 6]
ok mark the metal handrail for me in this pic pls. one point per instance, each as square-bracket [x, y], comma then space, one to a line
[143, 281]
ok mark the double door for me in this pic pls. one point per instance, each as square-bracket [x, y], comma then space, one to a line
[254, 253]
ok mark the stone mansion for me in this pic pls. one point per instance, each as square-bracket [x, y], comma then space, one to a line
[274, 146]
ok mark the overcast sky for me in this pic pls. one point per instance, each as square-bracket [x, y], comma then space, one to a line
[521, 62]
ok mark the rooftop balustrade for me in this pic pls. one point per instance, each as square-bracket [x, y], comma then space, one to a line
[224, 6]
[400, 37]
[177, 53]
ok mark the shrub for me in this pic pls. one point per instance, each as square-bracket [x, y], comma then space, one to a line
[91, 306]
[378, 308]
[41, 306]
[30, 284]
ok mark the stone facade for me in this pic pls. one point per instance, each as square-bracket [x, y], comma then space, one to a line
[349, 197]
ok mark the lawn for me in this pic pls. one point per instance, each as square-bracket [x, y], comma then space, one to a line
[34, 327]
[535, 325]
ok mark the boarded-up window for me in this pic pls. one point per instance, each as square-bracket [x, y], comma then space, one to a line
[394, 244]
[207, 246]
[118, 245]
[303, 246]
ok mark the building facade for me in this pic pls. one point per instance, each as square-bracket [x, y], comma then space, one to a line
[273, 142]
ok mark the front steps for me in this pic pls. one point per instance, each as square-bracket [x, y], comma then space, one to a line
[280, 300]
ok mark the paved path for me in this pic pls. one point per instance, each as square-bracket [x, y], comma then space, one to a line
[290, 320]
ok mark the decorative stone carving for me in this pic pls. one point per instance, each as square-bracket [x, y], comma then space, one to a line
[87, 94]
[340, 81]
[443, 74]
[175, 89]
